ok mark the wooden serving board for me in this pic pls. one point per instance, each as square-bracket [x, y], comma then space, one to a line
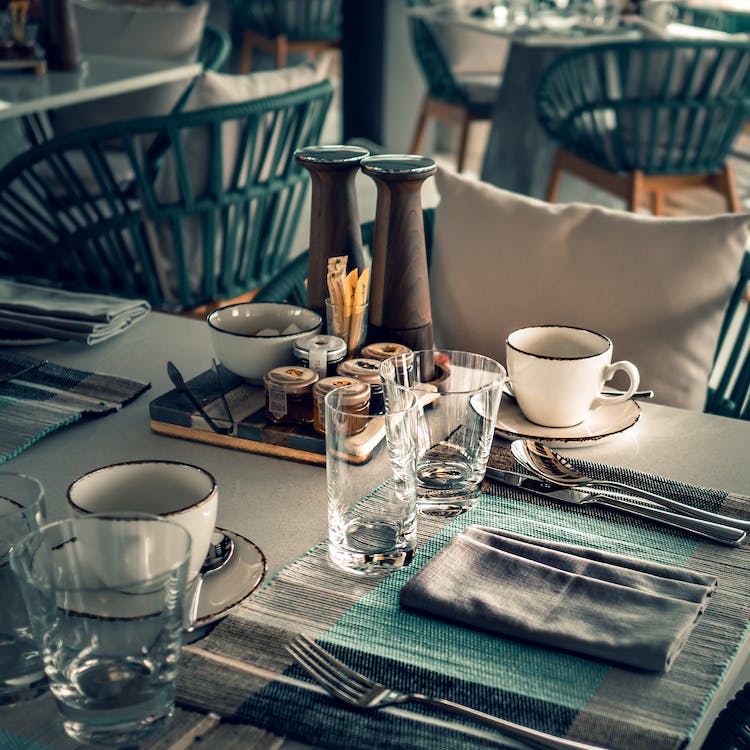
[172, 414]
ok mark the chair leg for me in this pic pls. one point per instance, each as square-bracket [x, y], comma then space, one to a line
[657, 203]
[421, 129]
[636, 191]
[463, 138]
[282, 50]
[727, 185]
[246, 54]
[553, 184]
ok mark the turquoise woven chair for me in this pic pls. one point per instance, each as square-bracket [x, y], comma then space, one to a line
[283, 26]
[452, 98]
[215, 220]
[647, 117]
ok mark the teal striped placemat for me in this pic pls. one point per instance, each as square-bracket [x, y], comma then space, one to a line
[242, 671]
[38, 397]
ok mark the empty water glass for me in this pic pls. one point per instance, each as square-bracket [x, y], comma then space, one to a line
[371, 480]
[455, 430]
[21, 511]
[106, 595]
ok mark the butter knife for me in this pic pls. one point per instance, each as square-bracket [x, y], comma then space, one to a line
[716, 532]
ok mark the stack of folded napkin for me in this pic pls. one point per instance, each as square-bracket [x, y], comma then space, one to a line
[600, 604]
[56, 313]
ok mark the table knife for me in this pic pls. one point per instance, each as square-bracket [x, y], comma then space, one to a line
[716, 532]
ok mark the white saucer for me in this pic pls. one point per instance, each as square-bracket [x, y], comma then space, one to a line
[224, 589]
[602, 423]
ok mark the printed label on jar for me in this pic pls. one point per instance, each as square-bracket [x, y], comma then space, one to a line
[277, 402]
[318, 359]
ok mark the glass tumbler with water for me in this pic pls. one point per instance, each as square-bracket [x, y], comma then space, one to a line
[106, 598]
[371, 480]
[21, 511]
[455, 430]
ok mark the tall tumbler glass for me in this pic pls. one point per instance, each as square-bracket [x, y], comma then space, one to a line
[456, 427]
[21, 511]
[371, 479]
[106, 597]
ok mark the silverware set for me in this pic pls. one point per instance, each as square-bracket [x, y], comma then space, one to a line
[551, 475]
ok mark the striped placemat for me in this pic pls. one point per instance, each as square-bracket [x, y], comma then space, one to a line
[242, 671]
[38, 397]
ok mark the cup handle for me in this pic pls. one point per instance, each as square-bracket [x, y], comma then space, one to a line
[609, 373]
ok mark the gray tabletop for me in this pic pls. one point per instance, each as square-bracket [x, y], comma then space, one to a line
[281, 505]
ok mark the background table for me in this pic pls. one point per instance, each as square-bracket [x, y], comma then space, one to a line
[281, 505]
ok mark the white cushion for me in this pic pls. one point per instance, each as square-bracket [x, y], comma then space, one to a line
[658, 287]
[161, 31]
[212, 90]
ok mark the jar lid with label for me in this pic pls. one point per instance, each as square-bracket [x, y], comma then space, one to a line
[362, 368]
[290, 379]
[383, 350]
[333, 346]
[358, 394]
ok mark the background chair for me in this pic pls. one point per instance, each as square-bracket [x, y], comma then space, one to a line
[455, 98]
[283, 26]
[644, 118]
[213, 221]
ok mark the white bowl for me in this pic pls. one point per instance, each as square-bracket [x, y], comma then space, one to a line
[234, 335]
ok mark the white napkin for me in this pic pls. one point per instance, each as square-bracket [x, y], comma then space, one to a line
[88, 318]
[595, 603]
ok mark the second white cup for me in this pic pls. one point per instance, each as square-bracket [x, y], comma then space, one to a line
[557, 373]
[179, 492]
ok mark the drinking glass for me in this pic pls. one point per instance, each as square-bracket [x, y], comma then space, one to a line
[371, 481]
[106, 595]
[21, 511]
[455, 430]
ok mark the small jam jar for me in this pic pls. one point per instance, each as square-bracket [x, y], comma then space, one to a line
[289, 394]
[368, 371]
[357, 399]
[385, 350]
[320, 353]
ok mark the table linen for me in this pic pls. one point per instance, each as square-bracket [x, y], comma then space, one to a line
[609, 606]
[242, 671]
[38, 397]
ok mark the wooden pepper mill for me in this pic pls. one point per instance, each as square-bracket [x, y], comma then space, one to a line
[334, 219]
[400, 308]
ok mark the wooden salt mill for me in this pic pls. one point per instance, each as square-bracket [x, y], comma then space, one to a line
[60, 36]
[334, 218]
[400, 308]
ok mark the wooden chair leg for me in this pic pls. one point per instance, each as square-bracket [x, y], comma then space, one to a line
[246, 54]
[421, 129]
[636, 191]
[726, 184]
[553, 184]
[463, 138]
[282, 50]
[657, 203]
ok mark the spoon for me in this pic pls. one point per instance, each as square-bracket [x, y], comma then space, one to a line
[220, 551]
[548, 464]
[508, 391]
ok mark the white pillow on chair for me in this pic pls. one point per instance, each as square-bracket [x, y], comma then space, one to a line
[657, 287]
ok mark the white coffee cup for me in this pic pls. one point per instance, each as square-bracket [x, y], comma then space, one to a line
[557, 373]
[178, 492]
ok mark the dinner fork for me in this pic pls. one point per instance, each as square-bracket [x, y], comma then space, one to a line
[357, 690]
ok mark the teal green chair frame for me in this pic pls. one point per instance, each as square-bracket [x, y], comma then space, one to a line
[82, 227]
[729, 384]
[283, 26]
[646, 117]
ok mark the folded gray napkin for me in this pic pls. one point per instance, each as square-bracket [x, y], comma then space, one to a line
[89, 318]
[600, 604]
